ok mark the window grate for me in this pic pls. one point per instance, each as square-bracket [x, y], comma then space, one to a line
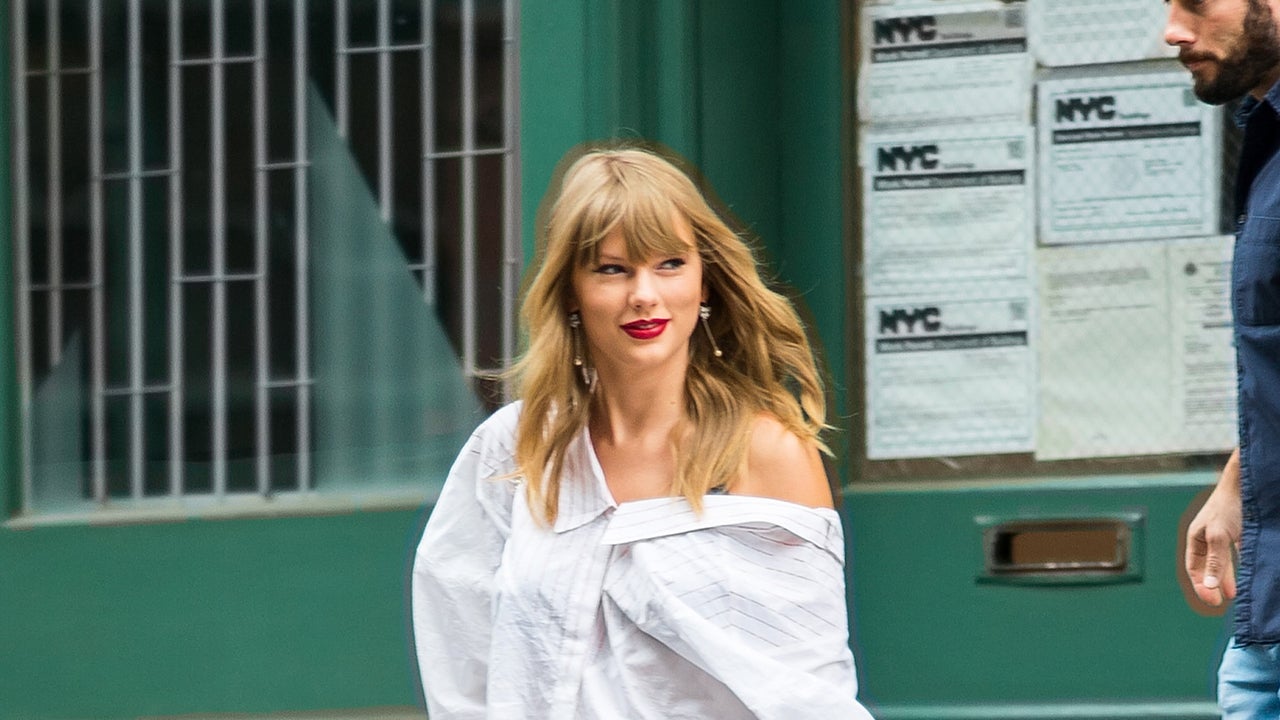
[169, 213]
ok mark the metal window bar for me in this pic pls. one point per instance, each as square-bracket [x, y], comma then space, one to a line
[511, 183]
[137, 305]
[428, 195]
[386, 197]
[382, 46]
[224, 61]
[22, 244]
[218, 242]
[468, 209]
[302, 340]
[341, 67]
[177, 390]
[136, 388]
[261, 200]
[53, 95]
[97, 263]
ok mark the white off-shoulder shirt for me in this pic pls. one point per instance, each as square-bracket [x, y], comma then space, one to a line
[636, 610]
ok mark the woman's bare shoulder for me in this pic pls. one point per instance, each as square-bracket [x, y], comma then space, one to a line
[783, 466]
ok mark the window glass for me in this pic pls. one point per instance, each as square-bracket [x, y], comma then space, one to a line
[244, 255]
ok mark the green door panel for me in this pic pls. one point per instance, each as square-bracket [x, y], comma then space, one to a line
[931, 633]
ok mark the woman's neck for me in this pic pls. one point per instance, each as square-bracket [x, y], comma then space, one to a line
[626, 409]
[633, 425]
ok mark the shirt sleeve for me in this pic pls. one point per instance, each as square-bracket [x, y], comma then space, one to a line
[453, 572]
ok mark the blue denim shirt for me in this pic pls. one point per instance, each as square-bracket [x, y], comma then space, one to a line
[1255, 293]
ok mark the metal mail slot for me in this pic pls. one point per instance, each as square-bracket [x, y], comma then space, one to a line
[1067, 550]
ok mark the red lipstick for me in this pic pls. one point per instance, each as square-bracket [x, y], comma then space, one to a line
[646, 329]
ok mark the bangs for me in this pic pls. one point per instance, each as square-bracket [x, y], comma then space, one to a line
[648, 217]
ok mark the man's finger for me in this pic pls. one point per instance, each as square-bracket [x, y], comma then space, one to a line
[1197, 548]
[1229, 579]
[1218, 581]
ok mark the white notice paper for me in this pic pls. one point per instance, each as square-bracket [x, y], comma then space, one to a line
[1135, 349]
[955, 62]
[1203, 351]
[950, 373]
[1104, 350]
[1084, 32]
[1127, 156]
[948, 204]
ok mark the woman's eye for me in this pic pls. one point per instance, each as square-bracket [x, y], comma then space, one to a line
[672, 263]
[610, 269]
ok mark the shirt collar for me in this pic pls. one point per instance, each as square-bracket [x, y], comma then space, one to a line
[660, 517]
[584, 495]
[1251, 104]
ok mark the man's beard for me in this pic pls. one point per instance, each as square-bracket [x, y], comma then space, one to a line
[1249, 63]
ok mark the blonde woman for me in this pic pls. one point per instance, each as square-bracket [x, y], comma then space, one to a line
[648, 532]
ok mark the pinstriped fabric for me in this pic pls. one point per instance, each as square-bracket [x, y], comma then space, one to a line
[639, 610]
[669, 516]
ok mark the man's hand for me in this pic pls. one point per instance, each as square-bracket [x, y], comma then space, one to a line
[1212, 537]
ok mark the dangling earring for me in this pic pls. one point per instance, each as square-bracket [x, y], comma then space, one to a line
[704, 312]
[588, 374]
[575, 322]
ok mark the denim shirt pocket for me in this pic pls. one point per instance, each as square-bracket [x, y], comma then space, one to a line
[1256, 272]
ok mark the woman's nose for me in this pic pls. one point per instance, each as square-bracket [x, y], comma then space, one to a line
[643, 291]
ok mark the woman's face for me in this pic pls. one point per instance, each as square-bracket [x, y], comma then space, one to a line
[638, 313]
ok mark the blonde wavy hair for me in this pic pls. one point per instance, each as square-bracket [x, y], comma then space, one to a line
[767, 364]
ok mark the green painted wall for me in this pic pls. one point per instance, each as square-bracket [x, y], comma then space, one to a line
[554, 113]
[811, 223]
[206, 616]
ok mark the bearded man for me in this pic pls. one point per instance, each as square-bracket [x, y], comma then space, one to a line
[1232, 48]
